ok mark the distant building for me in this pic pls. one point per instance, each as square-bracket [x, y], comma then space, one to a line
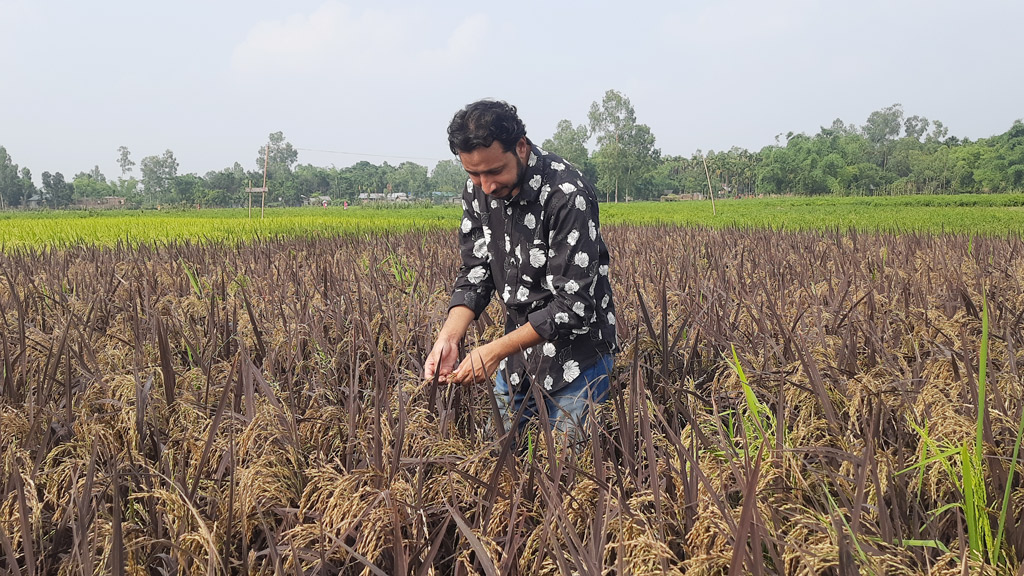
[397, 197]
[317, 201]
[682, 197]
[104, 202]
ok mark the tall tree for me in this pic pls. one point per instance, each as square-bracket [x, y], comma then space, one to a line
[448, 176]
[58, 192]
[91, 184]
[569, 142]
[626, 154]
[882, 128]
[158, 173]
[11, 193]
[28, 187]
[124, 160]
[409, 178]
[281, 158]
[915, 127]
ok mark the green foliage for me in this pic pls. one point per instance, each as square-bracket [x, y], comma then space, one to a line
[448, 177]
[569, 142]
[57, 192]
[626, 155]
[889, 155]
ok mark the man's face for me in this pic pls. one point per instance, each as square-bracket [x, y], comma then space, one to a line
[496, 171]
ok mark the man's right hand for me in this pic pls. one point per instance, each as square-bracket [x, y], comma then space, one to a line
[445, 355]
[442, 359]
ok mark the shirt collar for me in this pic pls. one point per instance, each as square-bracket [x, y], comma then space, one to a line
[534, 168]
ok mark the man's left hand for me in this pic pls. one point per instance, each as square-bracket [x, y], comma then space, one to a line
[477, 366]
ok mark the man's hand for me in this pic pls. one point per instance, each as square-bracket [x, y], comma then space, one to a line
[481, 363]
[477, 366]
[445, 354]
[442, 359]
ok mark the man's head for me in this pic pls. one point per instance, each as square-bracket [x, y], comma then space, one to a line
[491, 142]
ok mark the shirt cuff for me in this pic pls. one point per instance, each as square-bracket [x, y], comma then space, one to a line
[543, 321]
[469, 299]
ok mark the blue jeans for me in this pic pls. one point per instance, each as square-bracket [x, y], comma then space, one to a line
[567, 408]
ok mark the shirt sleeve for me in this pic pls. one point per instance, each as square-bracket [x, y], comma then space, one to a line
[474, 284]
[573, 266]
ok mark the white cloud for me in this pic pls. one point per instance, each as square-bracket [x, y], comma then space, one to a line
[337, 39]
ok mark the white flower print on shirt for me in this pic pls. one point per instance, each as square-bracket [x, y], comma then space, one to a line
[593, 230]
[507, 294]
[480, 248]
[535, 181]
[571, 287]
[477, 274]
[466, 225]
[530, 221]
[537, 258]
[549, 349]
[611, 319]
[567, 187]
[514, 379]
[603, 269]
[523, 293]
[532, 160]
[570, 370]
[581, 202]
[579, 308]
[581, 259]
[561, 318]
[557, 166]
[548, 382]
[605, 300]
[573, 236]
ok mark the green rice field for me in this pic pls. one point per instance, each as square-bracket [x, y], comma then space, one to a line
[967, 214]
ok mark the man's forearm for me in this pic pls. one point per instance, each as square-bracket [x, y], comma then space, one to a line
[517, 340]
[457, 324]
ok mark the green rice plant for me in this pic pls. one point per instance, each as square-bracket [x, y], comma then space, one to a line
[757, 418]
[979, 529]
[193, 279]
[970, 475]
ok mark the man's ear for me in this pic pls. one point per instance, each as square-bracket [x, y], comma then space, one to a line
[522, 148]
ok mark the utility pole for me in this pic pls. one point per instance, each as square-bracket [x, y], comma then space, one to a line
[263, 189]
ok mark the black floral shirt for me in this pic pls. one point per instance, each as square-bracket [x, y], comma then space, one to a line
[542, 251]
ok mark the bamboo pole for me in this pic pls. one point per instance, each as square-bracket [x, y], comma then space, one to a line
[710, 191]
[263, 195]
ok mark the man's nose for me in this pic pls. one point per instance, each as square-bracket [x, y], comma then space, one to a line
[487, 185]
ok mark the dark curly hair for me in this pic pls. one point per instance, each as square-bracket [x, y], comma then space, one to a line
[479, 124]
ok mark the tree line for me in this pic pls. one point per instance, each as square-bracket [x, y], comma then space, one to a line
[891, 153]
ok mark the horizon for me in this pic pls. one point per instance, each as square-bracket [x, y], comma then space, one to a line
[353, 81]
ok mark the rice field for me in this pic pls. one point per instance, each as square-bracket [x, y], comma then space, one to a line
[787, 401]
[994, 214]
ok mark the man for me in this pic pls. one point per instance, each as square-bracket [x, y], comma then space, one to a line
[529, 230]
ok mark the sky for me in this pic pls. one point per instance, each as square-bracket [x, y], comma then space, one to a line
[355, 80]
